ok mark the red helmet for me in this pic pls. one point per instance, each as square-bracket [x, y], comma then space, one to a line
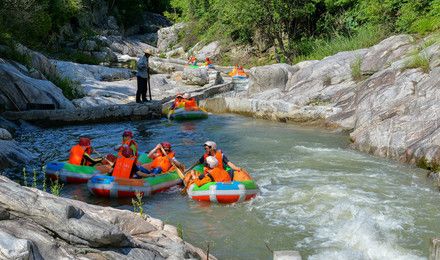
[128, 133]
[84, 141]
[127, 151]
[166, 145]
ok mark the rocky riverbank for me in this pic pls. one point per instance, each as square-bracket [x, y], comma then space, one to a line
[386, 96]
[38, 225]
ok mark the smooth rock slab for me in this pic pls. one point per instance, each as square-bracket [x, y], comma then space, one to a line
[43, 226]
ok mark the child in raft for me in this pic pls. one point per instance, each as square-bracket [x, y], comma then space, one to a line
[212, 173]
[162, 162]
[80, 153]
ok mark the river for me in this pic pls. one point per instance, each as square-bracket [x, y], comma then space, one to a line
[317, 196]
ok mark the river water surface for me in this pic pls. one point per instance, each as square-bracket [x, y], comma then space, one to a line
[317, 196]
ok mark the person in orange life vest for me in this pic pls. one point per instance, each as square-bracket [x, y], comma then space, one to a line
[211, 150]
[127, 139]
[125, 166]
[80, 153]
[178, 101]
[161, 163]
[213, 173]
[190, 103]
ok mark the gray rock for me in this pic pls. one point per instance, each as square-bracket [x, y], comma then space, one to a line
[168, 36]
[211, 51]
[12, 155]
[167, 66]
[87, 45]
[386, 52]
[5, 135]
[195, 76]
[43, 226]
[38, 61]
[269, 77]
[176, 53]
[8, 125]
[19, 90]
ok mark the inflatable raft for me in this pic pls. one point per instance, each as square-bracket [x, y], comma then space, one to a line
[111, 187]
[183, 114]
[241, 189]
[70, 173]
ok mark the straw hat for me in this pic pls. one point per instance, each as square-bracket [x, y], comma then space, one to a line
[148, 51]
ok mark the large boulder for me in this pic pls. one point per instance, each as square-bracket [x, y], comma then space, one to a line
[38, 225]
[19, 91]
[195, 76]
[269, 77]
[211, 51]
[169, 36]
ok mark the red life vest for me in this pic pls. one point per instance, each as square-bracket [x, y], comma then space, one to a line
[162, 161]
[218, 156]
[129, 143]
[123, 167]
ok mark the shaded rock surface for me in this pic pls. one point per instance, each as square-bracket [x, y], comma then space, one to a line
[19, 89]
[392, 110]
[13, 155]
[38, 225]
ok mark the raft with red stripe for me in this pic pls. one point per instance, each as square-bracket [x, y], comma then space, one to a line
[224, 192]
[111, 187]
[70, 173]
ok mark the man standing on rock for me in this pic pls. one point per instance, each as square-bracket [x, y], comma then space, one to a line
[143, 78]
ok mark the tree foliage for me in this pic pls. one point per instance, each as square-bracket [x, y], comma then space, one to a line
[289, 23]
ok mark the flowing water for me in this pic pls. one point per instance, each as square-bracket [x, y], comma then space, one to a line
[317, 196]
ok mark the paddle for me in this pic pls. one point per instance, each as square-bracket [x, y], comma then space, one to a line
[149, 86]
[104, 158]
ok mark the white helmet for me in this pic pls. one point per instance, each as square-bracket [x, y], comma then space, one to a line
[211, 161]
[186, 95]
[211, 144]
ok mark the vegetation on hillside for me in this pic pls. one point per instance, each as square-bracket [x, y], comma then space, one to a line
[302, 29]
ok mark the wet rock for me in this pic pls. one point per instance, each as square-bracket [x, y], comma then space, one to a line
[46, 226]
[168, 36]
[5, 135]
[8, 125]
[19, 90]
[195, 76]
[12, 155]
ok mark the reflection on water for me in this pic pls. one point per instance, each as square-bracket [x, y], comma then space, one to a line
[317, 196]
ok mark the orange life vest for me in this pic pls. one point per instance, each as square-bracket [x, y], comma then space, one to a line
[129, 143]
[123, 167]
[190, 103]
[218, 156]
[163, 161]
[219, 175]
[77, 155]
[179, 103]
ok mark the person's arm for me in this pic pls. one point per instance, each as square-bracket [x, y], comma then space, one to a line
[89, 159]
[230, 164]
[178, 164]
[152, 152]
[133, 148]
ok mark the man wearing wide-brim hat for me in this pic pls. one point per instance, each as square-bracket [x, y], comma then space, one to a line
[142, 77]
